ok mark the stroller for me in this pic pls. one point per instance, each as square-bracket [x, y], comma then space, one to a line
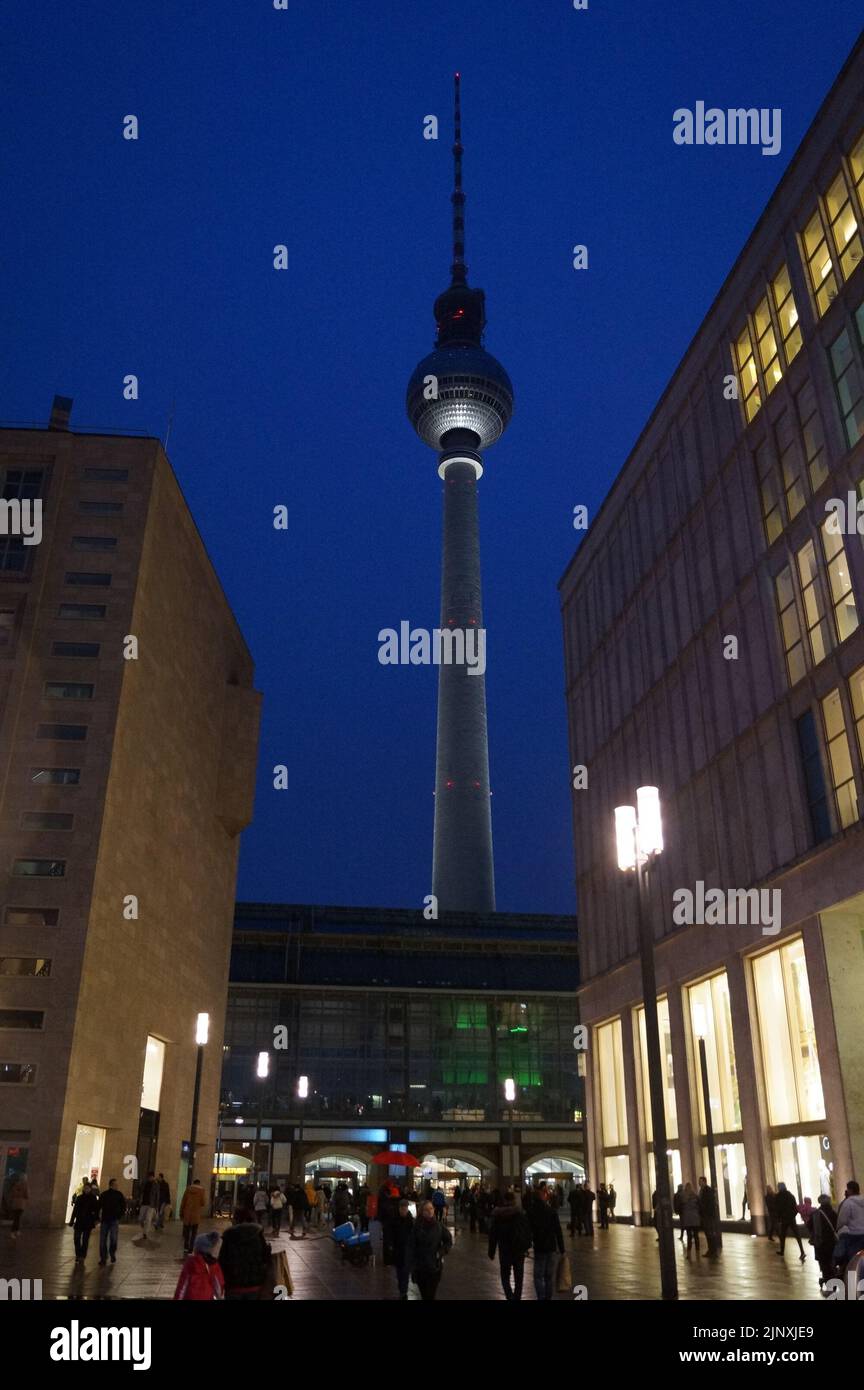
[356, 1248]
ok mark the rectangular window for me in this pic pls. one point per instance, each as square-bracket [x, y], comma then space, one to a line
[817, 257]
[711, 1019]
[7, 627]
[844, 225]
[814, 606]
[839, 759]
[790, 628]
[814, 777]
[94, 542]
[746, 366]
[21, 1018]
[766, 342]
[68, 690]
[88, 611]
[613, 1112]
[107, 475]
[793, 1082]
[100, 508]
[151, 1084]
[842, 597]
[24, 965]
[17, 1073]
[31, 916]
[769, 492]
[856, 694]
[670, 1106]
[47, 820]
[21, 484]
[811, 433]
[856, 165]
[98, 580]
[39, 868]
[786, 440]
[787, 314]
[55, 776]
[83, 649]
[848, 385]
[68, 733]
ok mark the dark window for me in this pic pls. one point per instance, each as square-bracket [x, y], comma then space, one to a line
[68, 690]
[88, 649]
[107, 475]
[69, 732]
[18, 1073]
[82, 610]
[88, 577]
[56, 776]
[7, 627]
[24, 965]
[39, 868]
[814, 777]
[32, 916]
[21, 1018]
[46, 820]
[94, 542]
[100, 508]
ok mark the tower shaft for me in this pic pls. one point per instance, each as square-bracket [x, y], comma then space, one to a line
[462, 868]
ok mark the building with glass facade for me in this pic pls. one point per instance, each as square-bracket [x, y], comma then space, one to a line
[406, 1030]
[715, 649]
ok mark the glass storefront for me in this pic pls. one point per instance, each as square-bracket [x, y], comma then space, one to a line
[711, 1019]
[610, 1061]
[802, 1163]
[731, 1177]
[675, 1172]
[616, 1169]
[793, 1082]
[87, 1158]
[668, 1072]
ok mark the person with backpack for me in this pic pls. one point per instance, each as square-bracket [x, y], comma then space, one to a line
[510, 1235]
[277, 1206]
[439, 1202]
[432, 1241]
[548, 1242]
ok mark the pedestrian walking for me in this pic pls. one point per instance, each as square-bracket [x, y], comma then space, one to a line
[709, 1215]
[574, 1200]
[770, 1212]
[342, 1204]
[823, 1231]
[613, 1198]
[439, 1202]
[363, 1195]
[850, 1224]
[690, 1218]
[299, 1210]
[112, 1206]
[588, 1199]
[745, 1199]
[277, 1204]
[787, 1216]
[85, 1214]
[164, 1202]
[402, 1244]
[16, 1200]
[432, 1241]
[469, 1204]
[603, 1206]
[191, 1208]
[548, 1242]
[676, 1207]
[149, 1208]
[201, 1279]
[510, 1234]
[245, 1258]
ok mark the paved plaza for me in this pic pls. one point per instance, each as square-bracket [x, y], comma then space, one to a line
[619, 1264]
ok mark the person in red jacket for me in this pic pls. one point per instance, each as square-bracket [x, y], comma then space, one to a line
[201, 1277]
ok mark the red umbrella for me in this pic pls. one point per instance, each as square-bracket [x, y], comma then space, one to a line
[396, 1160]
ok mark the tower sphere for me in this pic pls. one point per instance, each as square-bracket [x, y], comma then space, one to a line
[473, 393]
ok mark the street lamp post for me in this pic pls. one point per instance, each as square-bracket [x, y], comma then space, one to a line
[639, 838]
[302, 1093]
[715, 1239]
[202, 1032]
[262, 1071]
[510, 1096]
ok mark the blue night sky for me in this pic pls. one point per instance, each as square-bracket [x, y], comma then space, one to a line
[304, 127]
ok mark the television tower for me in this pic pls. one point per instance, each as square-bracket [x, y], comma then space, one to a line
[460, 401]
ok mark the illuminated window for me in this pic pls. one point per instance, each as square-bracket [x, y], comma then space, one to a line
[668, 1072]
[769, 493]
[814, 607]
[613, 1112]
[793, 647]
[787, 314]
[811, 434]
[856, 165]
[800, 1162]
[786, 439]
[849, 387]
[731, 1178]
[856, 693]
[842, 597]
[711, 1019]
[766, 342]
[819, 264]
[25, 965]
[793, 1082]
[151, 1082]
[840, 760]
[746, 364]
[844, 225]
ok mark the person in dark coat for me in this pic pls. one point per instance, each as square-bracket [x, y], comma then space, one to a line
[708, 1215]
[85, 1214]
[244, 1257]
[548, 1242]
[510, 1234]
[787, 1219]
[676, 1207]
[823, 1229]
[469, 1204]
[613, 1198]
[363, 1195]
[403, 1247]
[112, 1206]
[299, 1209]
[388, 1214]
[576, 1204]
[771, 1212]
[432, 1241]
[164, 1201]
[588, 1208]
[341, 1204]
[690, 1218]
[603, 1206]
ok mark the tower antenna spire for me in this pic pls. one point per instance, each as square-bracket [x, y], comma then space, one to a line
[458, 270]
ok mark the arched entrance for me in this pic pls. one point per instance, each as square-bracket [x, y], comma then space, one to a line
[335, 1165]
[451, 1168]
[562, 1169]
